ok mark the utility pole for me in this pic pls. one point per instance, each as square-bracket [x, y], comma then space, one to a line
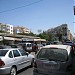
[74, 15]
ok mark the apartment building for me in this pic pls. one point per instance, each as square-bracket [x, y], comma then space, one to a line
[61, 32]
[21, 29]
[7, 28]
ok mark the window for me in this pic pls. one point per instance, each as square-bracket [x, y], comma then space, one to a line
[10, 54]
[11, 27]
[3, 52]
[22, 52]
[16, 53]
[53, 54]
[29, 45]
[11, 30]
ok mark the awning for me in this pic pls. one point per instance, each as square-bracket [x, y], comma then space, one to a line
[12, 39]
[9, 38]
[18, 39]
[27, 39]
[39, 40]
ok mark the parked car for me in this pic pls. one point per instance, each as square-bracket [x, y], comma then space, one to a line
[53, 60]
[72, 44]
[49, 42]
[4, 46]
[13, 46]
[57, 42]
[13, 60]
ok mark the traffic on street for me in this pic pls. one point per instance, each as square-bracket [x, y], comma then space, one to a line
[53, 58]
[37, 37]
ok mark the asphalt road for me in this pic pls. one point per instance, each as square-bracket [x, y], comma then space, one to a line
[26, 71]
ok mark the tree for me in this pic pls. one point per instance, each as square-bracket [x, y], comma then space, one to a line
[30, 34]
[47, 36]
[59, 35]
[50, 37]
[2, 31]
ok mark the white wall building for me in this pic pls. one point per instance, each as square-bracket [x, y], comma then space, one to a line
[6, 28]
[10, 29]
[21, 29]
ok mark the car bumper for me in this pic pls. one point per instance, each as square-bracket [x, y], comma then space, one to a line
[5, 70]
[35, 72]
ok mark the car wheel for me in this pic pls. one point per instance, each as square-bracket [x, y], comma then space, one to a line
[13, 71]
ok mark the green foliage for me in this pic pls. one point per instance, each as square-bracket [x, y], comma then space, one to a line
[44, 35]
[47, 36]
[2, 31]
[30, 34]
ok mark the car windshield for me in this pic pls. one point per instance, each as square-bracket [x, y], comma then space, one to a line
[3, 52]
[53, 54]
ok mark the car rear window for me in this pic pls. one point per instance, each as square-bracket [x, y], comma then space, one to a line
[3, 52]
[53, 54]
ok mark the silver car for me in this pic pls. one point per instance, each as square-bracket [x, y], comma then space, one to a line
[53, 60]
[13, 60]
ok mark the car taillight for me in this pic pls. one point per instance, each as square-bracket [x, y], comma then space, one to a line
[1, 63]
[35, 65]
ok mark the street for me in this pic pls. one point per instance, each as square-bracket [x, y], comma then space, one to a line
[26, 71]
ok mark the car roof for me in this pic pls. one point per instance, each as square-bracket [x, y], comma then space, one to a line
[57, 46]
[68, 43]
[66, 47]
[10, 49]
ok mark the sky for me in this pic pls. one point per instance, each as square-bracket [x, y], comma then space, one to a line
[37, 14]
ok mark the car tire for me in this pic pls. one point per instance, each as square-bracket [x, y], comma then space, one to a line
[13, 71]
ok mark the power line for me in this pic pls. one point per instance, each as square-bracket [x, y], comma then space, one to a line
[21, 6]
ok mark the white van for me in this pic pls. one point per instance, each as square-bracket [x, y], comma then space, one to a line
[26, 46]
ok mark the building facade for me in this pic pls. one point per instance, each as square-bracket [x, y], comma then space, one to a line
[61, 32]
[20, 29]
[7, 28]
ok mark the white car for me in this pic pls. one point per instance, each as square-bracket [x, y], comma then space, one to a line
[53, 60]
[13, 60]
